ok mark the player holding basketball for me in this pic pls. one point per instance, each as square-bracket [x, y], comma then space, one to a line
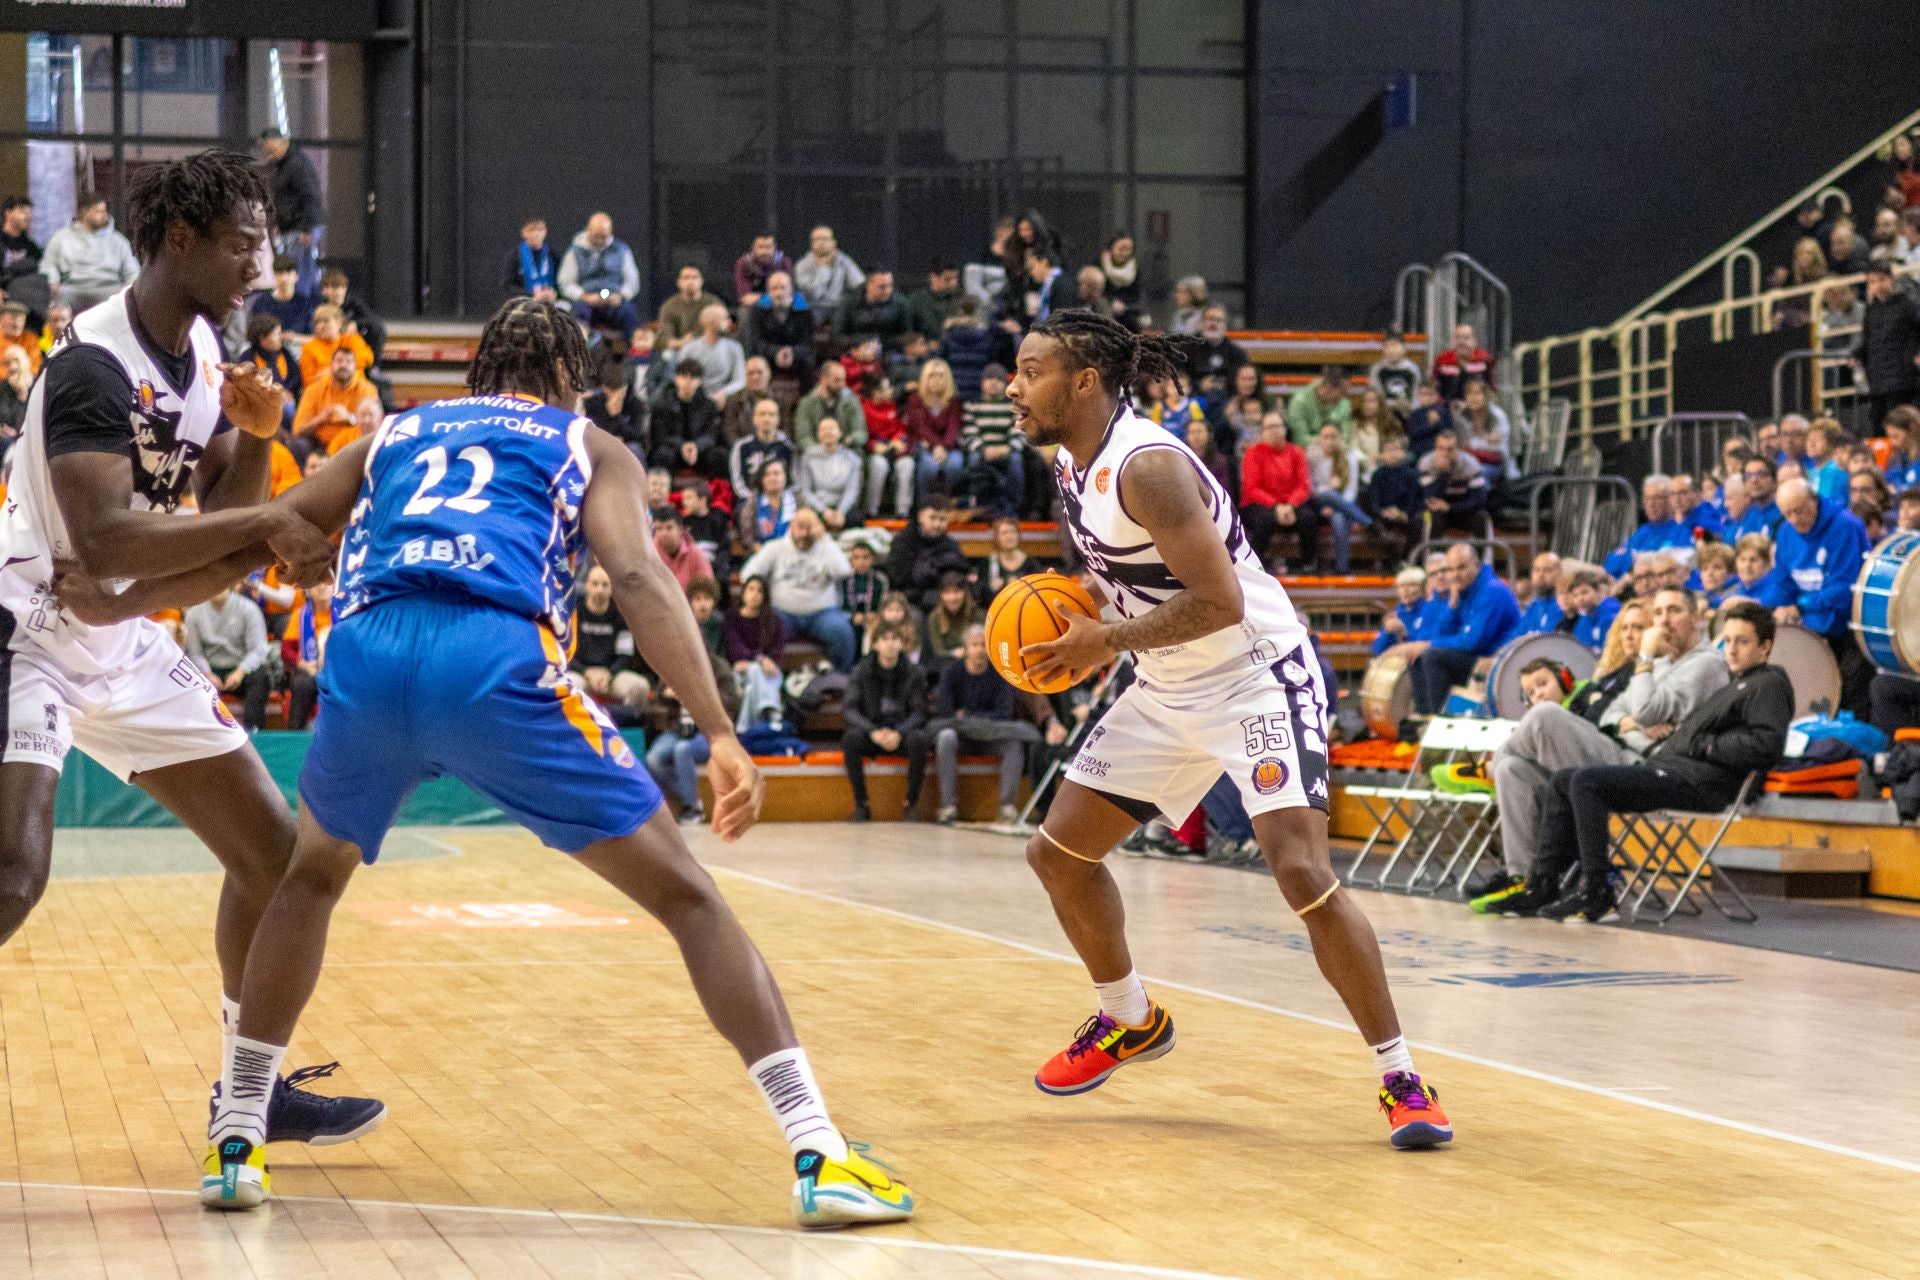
[136, 403]
[465, 522]
[1227, 680]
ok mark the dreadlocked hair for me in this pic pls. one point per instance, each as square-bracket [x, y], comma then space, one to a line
[198, 190]
[533, 347]
[1126, 361]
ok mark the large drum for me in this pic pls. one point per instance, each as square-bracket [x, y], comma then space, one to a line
[1886, 604]
[1386, 692]
[1503, 680]
[1810, 666]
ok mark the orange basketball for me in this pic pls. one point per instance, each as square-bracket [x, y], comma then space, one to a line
[1023, 614]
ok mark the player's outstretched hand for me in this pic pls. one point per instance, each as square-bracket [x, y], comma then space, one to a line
[305, 554]
[251, 399]
[737, 788]
[1080, 649]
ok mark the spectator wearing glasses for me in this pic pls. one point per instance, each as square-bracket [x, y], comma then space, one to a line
[1658, 532]
[1760, 477]
[1816, 561]
[1689, 512]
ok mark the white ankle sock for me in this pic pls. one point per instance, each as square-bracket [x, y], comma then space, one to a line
[1392, 1056]
[229, 1027]
[1124, 1001]
[786, 1082]
[246, 1089]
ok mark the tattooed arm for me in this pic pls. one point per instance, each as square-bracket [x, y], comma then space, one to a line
[1161, 491]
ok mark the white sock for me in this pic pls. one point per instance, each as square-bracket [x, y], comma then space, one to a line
[229, 1028]
[786, 1082]
[1392, 1056]
[246, 1088]
[1124, 1001]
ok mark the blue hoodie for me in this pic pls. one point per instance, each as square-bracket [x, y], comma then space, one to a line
[1487, 616]
[1591, 630]
[1659, 535]
[1418, 619]
[1901, 474]
[1815, 571]
[1543, 613]
[1764, 519]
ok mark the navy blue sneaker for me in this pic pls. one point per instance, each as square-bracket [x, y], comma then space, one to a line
[295, 1115]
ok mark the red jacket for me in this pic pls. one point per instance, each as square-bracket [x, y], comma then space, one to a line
[883, 423]
[927, 428]
[1269, 475]
[1451, 371]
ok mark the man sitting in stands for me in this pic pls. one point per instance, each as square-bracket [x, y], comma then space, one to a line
[1677, 668]
[1465, 359]
[1699, 767]
[886, 713]
[1660, 531]
[1759, 475]
[1689, 512]
[975, 706]
[1484, 617]
[1454, 484]
[1408, 619]
[1543, 612]
[1816, 561]
[804, 568]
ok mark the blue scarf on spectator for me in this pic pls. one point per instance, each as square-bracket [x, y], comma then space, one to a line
[536, 268]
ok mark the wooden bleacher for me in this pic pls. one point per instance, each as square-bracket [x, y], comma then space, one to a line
[428, 359]
[1292, 358]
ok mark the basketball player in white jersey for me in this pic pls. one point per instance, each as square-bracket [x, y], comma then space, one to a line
[1226, 680]
[136, 402]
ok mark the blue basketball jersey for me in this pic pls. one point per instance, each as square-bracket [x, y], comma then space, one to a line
[478, 497]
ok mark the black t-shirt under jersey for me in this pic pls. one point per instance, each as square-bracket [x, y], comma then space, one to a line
[89, 409]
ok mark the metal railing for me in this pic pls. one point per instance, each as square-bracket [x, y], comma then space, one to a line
[1622, 375]
[1461, 291]
[1585, 526]
[1825, 362]
[1690, 443]
[1410, 289]
[1487, 545]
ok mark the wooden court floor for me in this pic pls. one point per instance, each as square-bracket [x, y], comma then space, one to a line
[1629, 1103]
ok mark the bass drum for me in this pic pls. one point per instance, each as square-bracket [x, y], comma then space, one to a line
[1810, 666]
[1886, 604]
[1503, 680]
[1386, 692]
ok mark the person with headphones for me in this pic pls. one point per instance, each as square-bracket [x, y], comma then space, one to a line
[1544, 680]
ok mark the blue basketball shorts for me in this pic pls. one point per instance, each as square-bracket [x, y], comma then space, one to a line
[435, 686]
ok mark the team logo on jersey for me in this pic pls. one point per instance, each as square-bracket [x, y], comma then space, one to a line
[622, 753]
[1269, 775]
[210, 371]
[223, 715]
[1102, 478]
[162, 461]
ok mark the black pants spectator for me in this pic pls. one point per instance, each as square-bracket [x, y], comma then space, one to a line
[1895, 703]
[303, 695]
[1263, 527]
[1579, 803]
[1462, 513]
[1435, 672]
[856, 747]
[1878, 407]
[253, 696]
[1856, 673]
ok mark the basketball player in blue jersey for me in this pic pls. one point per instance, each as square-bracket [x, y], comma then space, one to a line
[1227, 680]
[465, 523]
[137, 403]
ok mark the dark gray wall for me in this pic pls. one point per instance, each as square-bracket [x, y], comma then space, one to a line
[1607, 146]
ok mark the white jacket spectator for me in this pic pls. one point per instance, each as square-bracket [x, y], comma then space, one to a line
[88, 260]
[829, 477]
[805, 580]
[826, 275]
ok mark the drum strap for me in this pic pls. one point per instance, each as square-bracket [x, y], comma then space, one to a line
[1320, 901]
[1083, 857]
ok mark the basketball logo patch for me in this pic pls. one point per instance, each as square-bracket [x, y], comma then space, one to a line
[1269, 775]
[622, 753]
[223, 715]
[1102, 478]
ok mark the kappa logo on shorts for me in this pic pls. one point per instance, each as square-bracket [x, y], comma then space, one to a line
[1269, 775]
[1102, 478]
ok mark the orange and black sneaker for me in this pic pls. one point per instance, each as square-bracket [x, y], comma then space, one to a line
[1413, 1112]
[1100, 1048]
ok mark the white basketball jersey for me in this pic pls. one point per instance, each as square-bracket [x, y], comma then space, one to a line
[1121, 555]
[170, 430]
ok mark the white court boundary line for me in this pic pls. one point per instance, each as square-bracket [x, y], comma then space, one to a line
[829, 1237]
[1617, 1095]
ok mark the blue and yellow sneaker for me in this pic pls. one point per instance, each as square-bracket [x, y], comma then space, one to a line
[846, 1193]
[235, 1175]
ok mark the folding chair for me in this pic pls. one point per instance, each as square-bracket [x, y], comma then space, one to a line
[1444, 828]
[1674, 856]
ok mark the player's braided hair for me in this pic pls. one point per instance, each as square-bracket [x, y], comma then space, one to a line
[531, 346]
[198, 190]
[1125, 360]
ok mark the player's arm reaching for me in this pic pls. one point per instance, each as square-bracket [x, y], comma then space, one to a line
[1160, 491]
[237, 467]
[322, 502]
[111, 540]
[614, 518]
